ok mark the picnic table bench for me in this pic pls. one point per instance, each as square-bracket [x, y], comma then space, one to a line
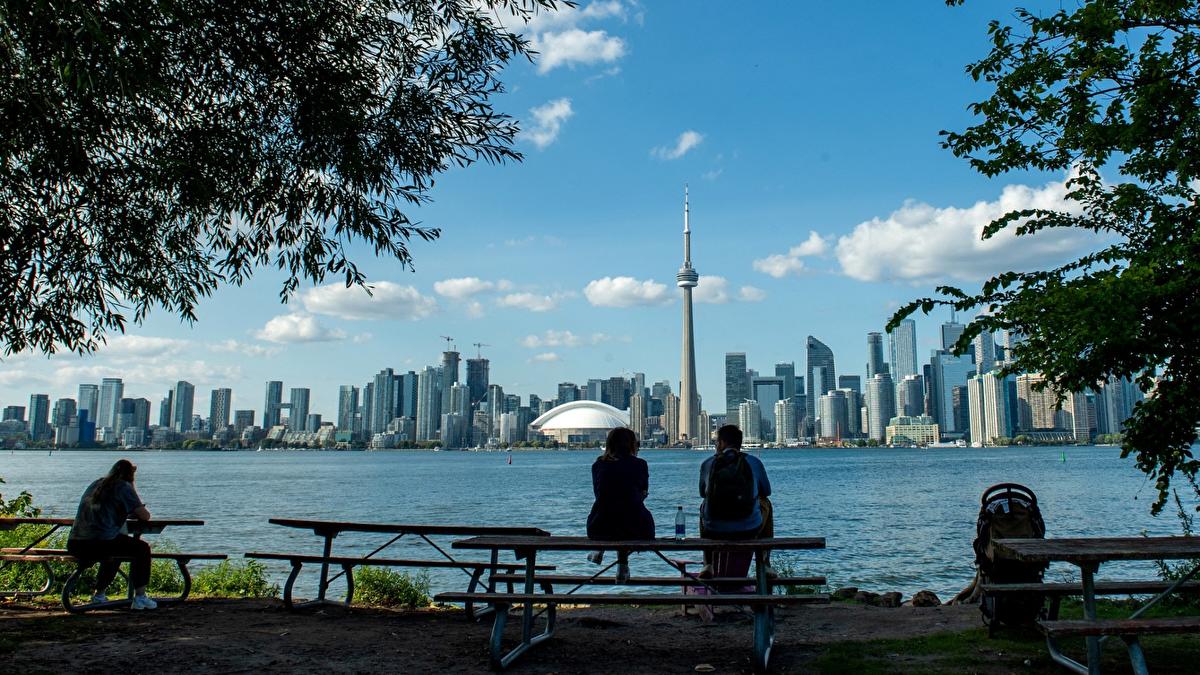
[1088, 554]
[760, 599]
[329, 530]
[32, 553]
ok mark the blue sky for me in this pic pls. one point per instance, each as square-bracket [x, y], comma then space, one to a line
[820, 201]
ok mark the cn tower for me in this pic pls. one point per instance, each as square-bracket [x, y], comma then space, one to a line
[687, 279]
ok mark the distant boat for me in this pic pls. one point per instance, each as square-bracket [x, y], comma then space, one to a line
[1064, 457]
[510, 458]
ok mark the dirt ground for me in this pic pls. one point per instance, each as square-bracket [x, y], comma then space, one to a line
[239, 636]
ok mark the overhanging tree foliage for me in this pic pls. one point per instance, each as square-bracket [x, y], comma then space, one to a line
[1111, 87]
[153, 149]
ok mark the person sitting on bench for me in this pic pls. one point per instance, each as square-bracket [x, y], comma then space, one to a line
[96, 535]
[621, 482]
[735, 488]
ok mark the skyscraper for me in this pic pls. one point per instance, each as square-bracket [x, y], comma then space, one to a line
[750, 421]
[427, 403]
[947, 372]
[182, 402]
[220, 408]
[89, 401]
[821, 377]
[615, 392]
[687, 278]
[273, 404]
[298, 408]
[450, 362]
[409, 384]
[347, 406]
[383, 400]
[785, 421]
[875, 362]
[910, 396]
[951, 331]
[834, 413]
[904, 350]
[567, 392]
[985, 353]
[112, 389]
[768, 391]
[477, 379]
[39, 417]
[164, 409]
[737, 383]
[242, 419]
[637, 415]
[881, 405]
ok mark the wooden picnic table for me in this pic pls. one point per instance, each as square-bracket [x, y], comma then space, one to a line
[328, 530]
[761, 599]
[1088, 554]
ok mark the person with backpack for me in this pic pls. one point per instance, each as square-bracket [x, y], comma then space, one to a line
[735, 489]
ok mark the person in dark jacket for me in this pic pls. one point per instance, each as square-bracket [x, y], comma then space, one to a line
[96, 535]
[621, 482]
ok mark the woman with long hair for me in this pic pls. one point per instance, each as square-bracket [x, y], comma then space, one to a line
[96, 535]
[620, 481]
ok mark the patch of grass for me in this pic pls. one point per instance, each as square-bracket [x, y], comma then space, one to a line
[389, 588]
[234, 579]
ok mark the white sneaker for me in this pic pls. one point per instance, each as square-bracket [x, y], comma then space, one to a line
[143, 602]
[99, 598]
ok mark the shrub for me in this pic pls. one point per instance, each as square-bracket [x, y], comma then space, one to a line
[234, 579]
[389, 588]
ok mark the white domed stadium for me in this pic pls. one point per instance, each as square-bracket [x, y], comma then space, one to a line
[580, 422]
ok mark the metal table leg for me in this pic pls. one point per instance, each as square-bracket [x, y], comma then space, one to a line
[500, 660]
[764, 615]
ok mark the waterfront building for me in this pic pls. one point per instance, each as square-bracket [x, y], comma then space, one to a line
[273, 404]
[670, 415]
[64, 414]
[477, 379]
[450, 362]
[689, 400]
[910, 396]
[568, 392]
[134, 414]
[594, 390]
[428, 402]
[947, 372]
[637, 415]
[112, 390]
[454, 427]
[916, 430]
[383, 400]
[368, 402]
[820, 377]
[616, 393]
[298, 408]
[220, 407]
[1114, 407]
[39, 417]
[985, 352]
[495, 408]
[750, 421]
[182, 404]
[508, 428]
[460, 402]
[89, 401]
[881, 405]
[164, 409]
[312, 422]
[579, 422]
[833, 414]
[406, 396]
[347, 406]
[903, 342]
[768, 390]
[242, 420]
[875, 364]
[785, 421]
[737, 382]
[988, 406]
[854, 405]
[1078, 417]
[14, 413]
[951, 332]
[1037, 404]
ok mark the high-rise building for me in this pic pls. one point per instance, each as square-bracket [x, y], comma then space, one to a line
[428, 403]
[182, 404]
[988, 406]
[785, 421]
[616, 393]
[985, 353]
[854, 408]
[454, 426]
[568, 392]
[383, 400]
[460, 401]
[14, 413]
[951, 331]
[89, 401]
[64, 422]
[768, 391]
[1037, 405]
[1078, 417]
[347, 406]
[273, 404]
[881, 405]
[495, 408]
[39, 417]
[298, 408]
[821, 376]
[904, 351]
[834, 414]
[242, 419]
[787, 371]
[477, 379]
[737, 382]
[750, 421]
[312, 422]
[220, 408]
[450, 361]
[875, 362]
[112, 390]
[689, 399]
[637, 415]
[409, 385]
[670, 416]
[947, 372]
[910, 396]
[508, 428]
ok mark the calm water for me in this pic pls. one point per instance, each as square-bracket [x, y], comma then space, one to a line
[894, 519]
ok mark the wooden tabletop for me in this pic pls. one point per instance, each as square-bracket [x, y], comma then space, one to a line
[665, 544]
[1099, 549]
[12, 523]
[334, 527]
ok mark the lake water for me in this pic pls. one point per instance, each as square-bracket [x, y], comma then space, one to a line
[894, 519]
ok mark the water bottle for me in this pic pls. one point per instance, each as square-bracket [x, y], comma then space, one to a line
[680, 524]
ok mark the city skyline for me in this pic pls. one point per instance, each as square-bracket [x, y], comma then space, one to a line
[802, 234]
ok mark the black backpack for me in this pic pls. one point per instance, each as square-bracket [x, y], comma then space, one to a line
[1008, 511]
[730, 491]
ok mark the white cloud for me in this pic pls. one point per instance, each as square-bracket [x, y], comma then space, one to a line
[298, 328]
[713, 174]
[234, 347]
[713, 290]
[475, 310]
[548, 121]
[461, 288]
[532, 302]
[575, 46]
[552, 338]
[922, 243]
[751, 294]
[686, 141]
[780, 265]
[141, 346]
[545, 357]
[387, 301]
[626, 292]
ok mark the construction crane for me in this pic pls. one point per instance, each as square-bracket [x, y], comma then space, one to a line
[448, 340]
[478, 347]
